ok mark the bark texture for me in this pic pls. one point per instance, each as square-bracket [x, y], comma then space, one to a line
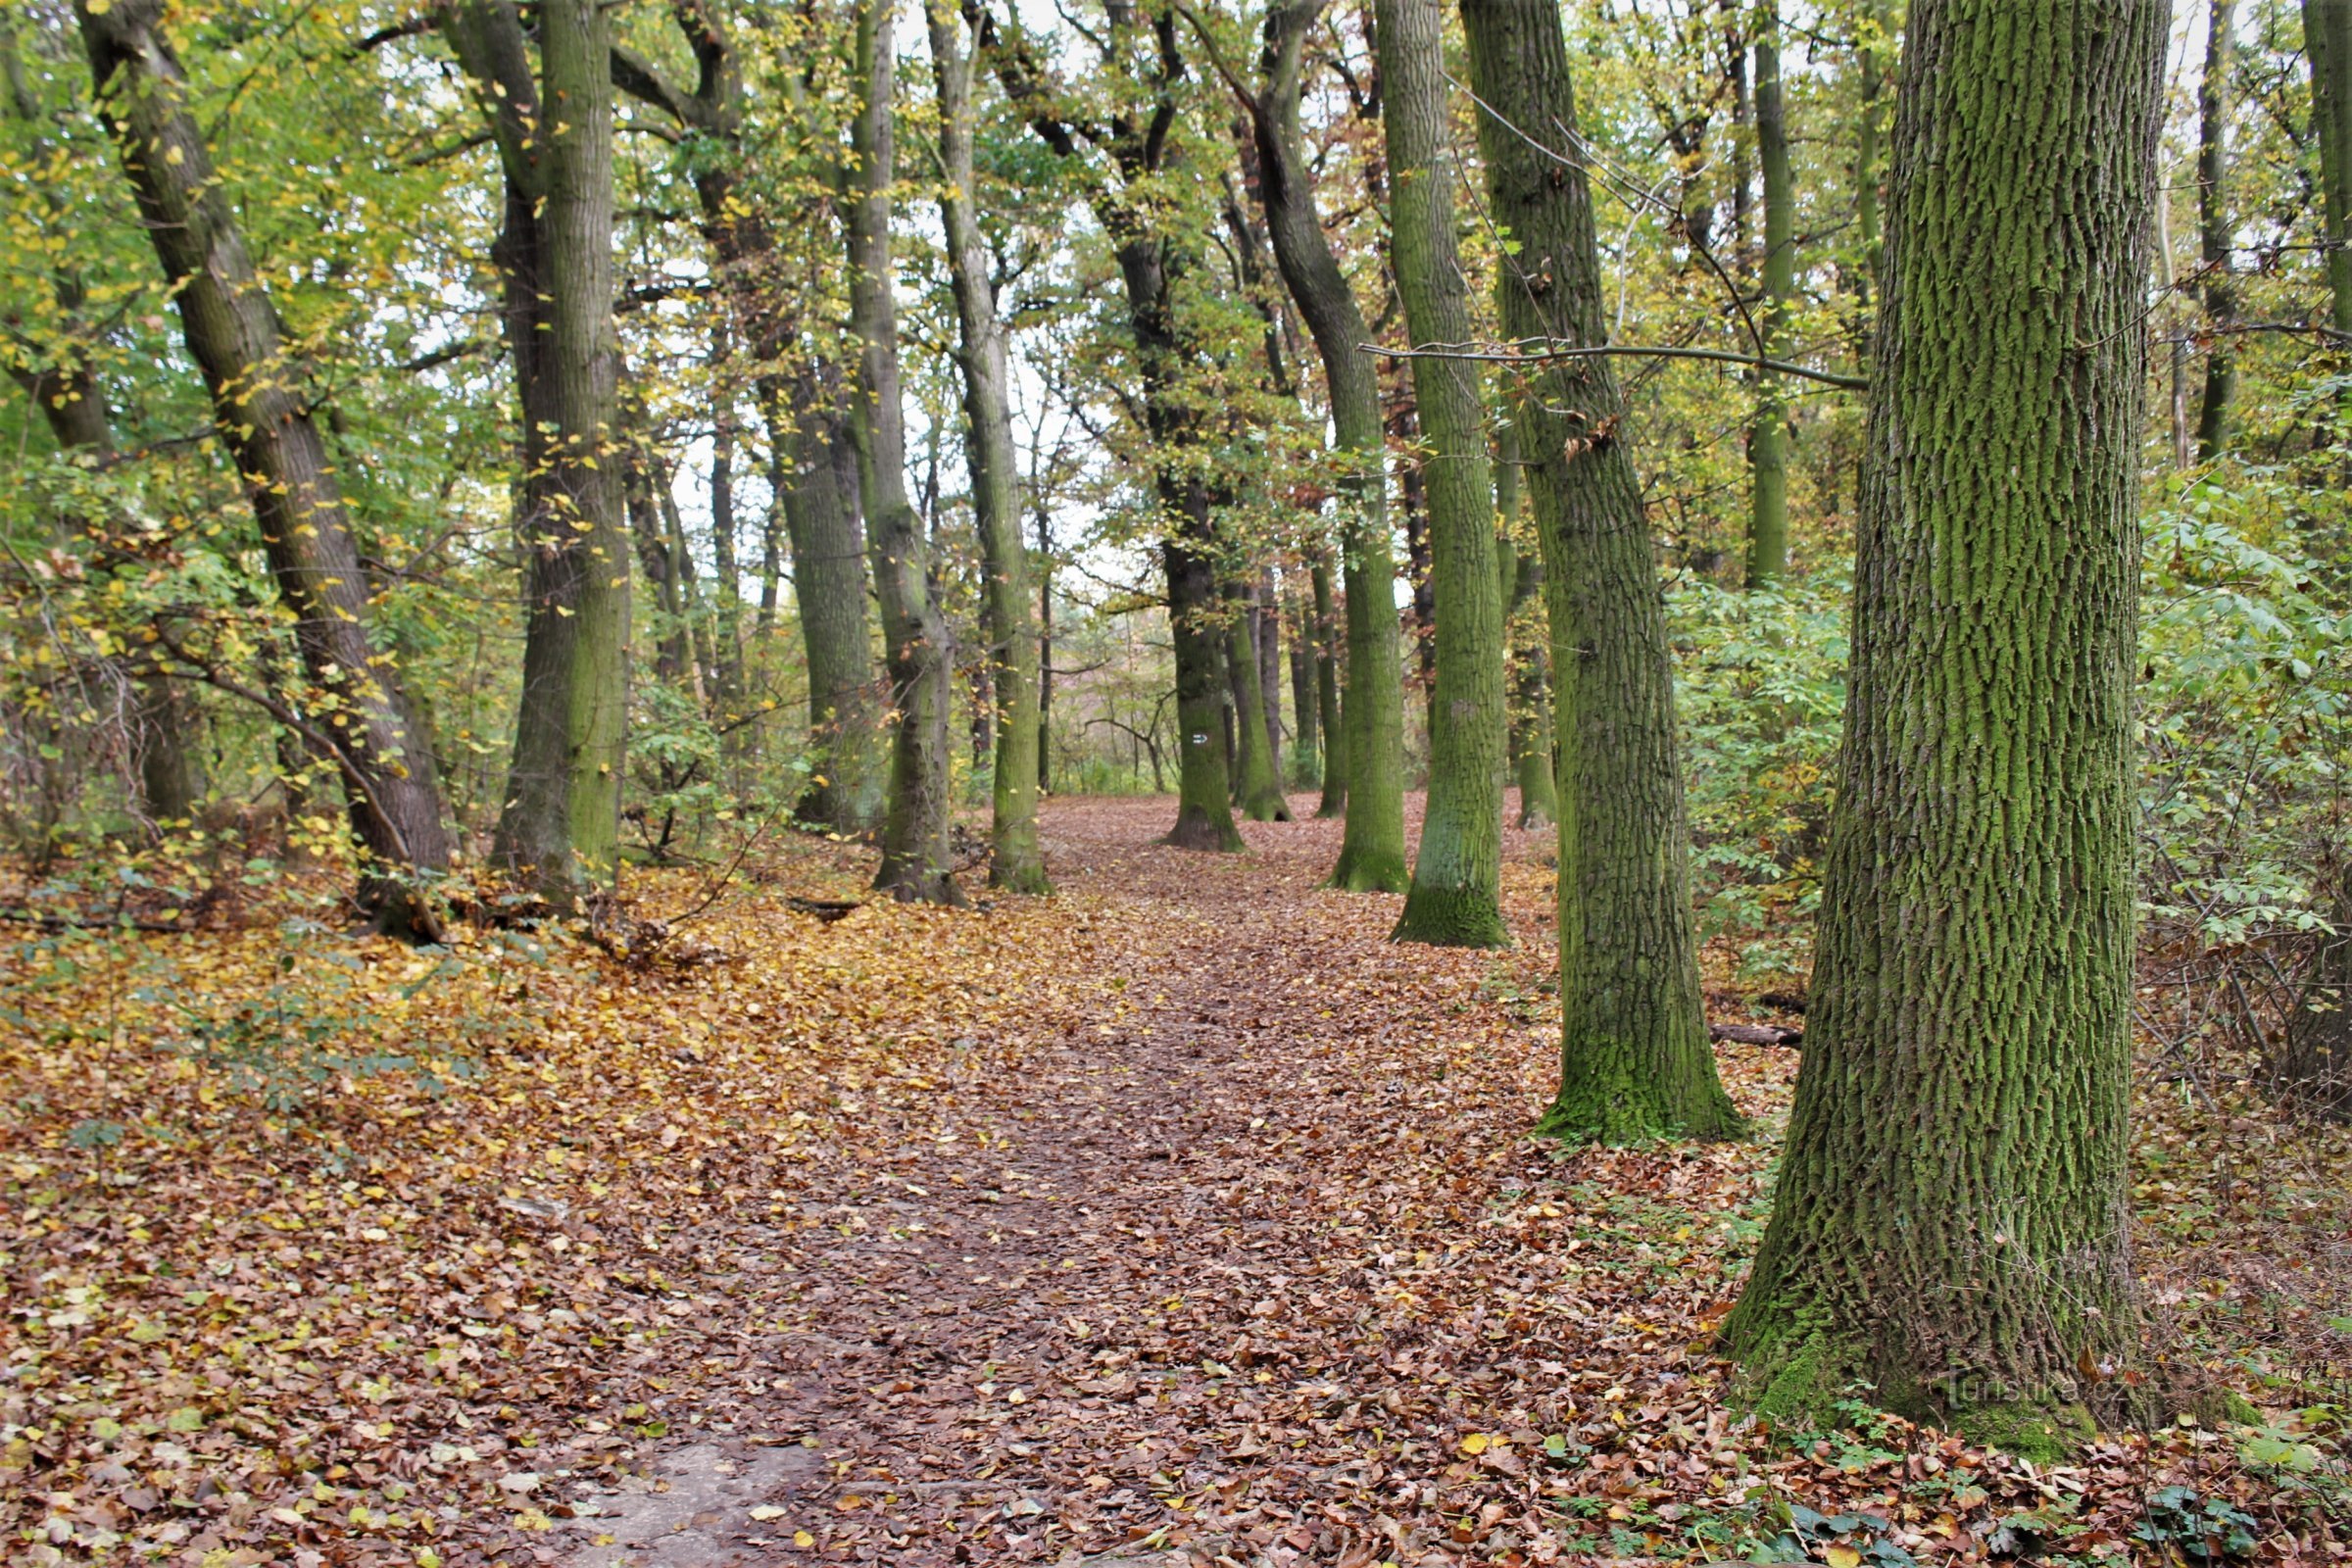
[561, 825]
[1452, 900]
[2328, 40]
[1257, 783]
[1363, 774]
[1950, 1224]
[1015, 862]
[1635, 1058]
[261, 408]
[1768, 437]
[2214, 231]
[915, 862]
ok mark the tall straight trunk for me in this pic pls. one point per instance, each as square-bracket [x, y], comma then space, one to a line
[1265, 626]
[1453, 899]
[1519, 576]
[819, 501]
[1256, 785]
[561, 825]
[1015, 862]
[1768, 436]
[1951, 1222]
[1045, 655]
[1307, 742]
[234, 335]
[2214, 232]
[723, 626]
[915, 862]
[1634, 1060]
[1870, 133]
[1363, 772]
[1330, 653]
[2328, 40]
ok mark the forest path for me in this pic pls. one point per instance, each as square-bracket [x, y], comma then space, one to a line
[1175, 1284]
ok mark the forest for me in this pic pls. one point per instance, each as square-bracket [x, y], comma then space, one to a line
[1197, 783]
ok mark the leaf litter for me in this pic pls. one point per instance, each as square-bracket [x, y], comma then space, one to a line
[1178, 1219]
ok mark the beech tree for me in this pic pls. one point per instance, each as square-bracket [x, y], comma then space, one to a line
[1635, 1058]
[1453, 898]
[1950, 1224]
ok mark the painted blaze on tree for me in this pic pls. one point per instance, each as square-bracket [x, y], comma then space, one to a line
[1950, 1222]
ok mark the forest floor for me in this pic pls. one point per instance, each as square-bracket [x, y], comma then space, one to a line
[1178, 1219]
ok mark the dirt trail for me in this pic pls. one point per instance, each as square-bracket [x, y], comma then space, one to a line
[1172, 1288]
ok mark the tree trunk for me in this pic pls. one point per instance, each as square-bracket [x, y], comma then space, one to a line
[820, 506]
[1453, 898]
[2314, 1064]
[2214, 232]
[1363, 772]
[915, 862]
[1306, 745]
[1634, 1060]
[1951, 1220]
[1519, 575]
[1330, 652]
[1266, 628]
[1257, 787]
[265, 419]
[561, 827]
[1768, 436]
[1015, 863]
[2328, 40]
[1045, 657]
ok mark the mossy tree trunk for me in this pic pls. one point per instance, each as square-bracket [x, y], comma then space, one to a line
[916, 863]
[552, 129]
[265, 421]
[1364, 772]
[1306, 748]
[1634, 1060]
[2328, 40]
[1950, 1224]
[1017, 864]
[1768, 436]
[1456, 877]
[2214, 231]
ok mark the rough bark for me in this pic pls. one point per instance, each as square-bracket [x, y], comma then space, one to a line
[1768, 436]
[1330, 653]
[261, 410]
[1519, 575]
[1256, 785]
[916, 863]
[2328, 40]
[561, 825]
[1453, 898]
[1364, 772]
[2214, 232]
[1950, 1224]
[1634, 1060]
[1015, 862]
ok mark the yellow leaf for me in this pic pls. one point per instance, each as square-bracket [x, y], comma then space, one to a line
[766, 1511]
[1843, 1556]
[802, 1540]
[1475, 1443]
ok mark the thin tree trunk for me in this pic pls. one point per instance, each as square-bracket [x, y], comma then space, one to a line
[1330, 653]
[1951, 1221]
[1015, 863]
[1045, 655]
[915, 862]
[1265, 626]
[1364, 771]
[1453, 899]
[1635, 1058]
[1306, 745]
[1520, 577]
[1257, 786]
[1768, 436]
[2214, 232]
[259, 408]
